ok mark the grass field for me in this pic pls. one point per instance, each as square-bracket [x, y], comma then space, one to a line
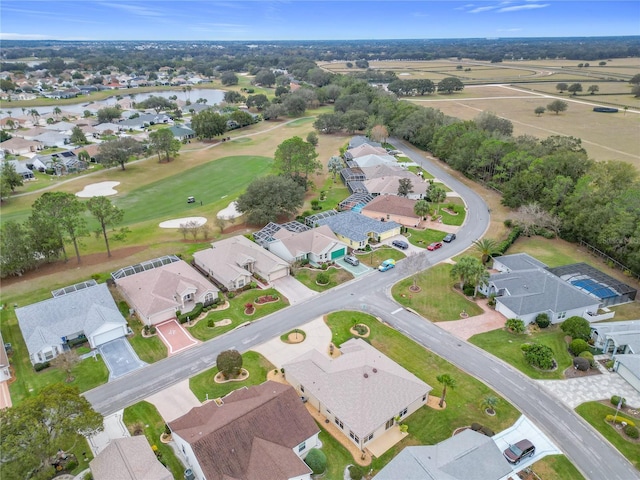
[375, 257]
[336, 276]
[422, 238]
[506, 346]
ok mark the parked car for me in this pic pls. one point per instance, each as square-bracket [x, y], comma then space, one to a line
[387, 264]
[434, 246]
[400, 244]
[516, 452]
[351, 260]
[450, 237]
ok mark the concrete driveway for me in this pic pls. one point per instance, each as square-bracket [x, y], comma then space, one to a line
[356, 271]
[114, 428]
[291, 288]
[120, 358]
[175, 401]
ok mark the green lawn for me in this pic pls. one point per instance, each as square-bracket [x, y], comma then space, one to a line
[338, 457]
[203, 384]
[236, 314]
[422, 238]
[154, 425]
[437, 300]
[449, 219]
[375, 257]
[427, 426]
[594, 413]
[506, 346]
[336, 192]
[149, 349]
[336, 276]
[556, 467]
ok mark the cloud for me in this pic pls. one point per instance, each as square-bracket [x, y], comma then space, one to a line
[483, 9]
[529, 6]
[24, 36]
[136, 10]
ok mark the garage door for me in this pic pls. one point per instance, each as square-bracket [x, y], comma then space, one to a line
[105, 337]
[337, 254]
[279, 274]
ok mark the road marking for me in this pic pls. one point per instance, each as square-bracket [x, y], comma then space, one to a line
[397, 310]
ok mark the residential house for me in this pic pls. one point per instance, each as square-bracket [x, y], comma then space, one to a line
[62, 127]
[390, 185]
[156, 293]
[258, 433]
[31, 134]
[388, 170]
[394, 208]
[128, 458]
[317, 245]
[354, 229]
[53, 139]
[143, 121]
[362, 150]
[373, 160]
[182, 132]
[22, 170]
[362, 391]
[106, 127]
[360, 139]
[527, 288]
[233, 261]
[11, 123]
[469, 455]
[5, 372]
[622, 340]
[79, 311]
[62, 163]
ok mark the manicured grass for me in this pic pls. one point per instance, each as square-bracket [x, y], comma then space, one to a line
[299, 333]
[437, 300]
[422, 238]
[506, 346]
[300, 121]
[148, 415]
[556, 467]
[309, 276]
[426, 426]
[167, 198]
[203, 384]
[149, 349]
[338, 457]
[375, 257]
[235, 313]
[449, 219]
[416, 169]
[594, 413]
[336, 192]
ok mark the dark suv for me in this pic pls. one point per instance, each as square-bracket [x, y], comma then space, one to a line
[518, 451]
[450, 237]
[400, 244]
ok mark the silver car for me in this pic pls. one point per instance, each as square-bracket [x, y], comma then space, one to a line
[351, 260]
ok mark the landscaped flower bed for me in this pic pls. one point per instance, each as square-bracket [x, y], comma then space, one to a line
[266, 299]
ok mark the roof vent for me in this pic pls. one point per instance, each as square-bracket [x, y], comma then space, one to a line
[375, 370]
[366, 375]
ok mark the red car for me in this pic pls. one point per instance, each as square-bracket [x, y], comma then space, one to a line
[434, 246]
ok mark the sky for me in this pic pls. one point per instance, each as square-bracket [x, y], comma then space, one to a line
[313, 19]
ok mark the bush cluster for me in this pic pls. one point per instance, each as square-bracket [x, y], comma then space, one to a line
[323, 278]
[632, 431]
[581, 364]
[476, 427]
[468, 290]
[619, 419]
[538, 355]
[515, 325]
[316, 460]
[589, 356]
[577, 346]
[192, 315]
[616, 399]
[505, 244]
[542, 320]
[356, 472]
[41, 366]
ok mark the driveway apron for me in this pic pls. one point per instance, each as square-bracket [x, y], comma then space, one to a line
[120, 358]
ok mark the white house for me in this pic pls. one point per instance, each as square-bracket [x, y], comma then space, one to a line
[318, 245]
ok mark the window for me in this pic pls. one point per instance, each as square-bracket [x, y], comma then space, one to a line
[48, 355]
[302, 446]
[301, 388]
[208, 298]
[389, 424]
[561, 315]
[354, 436]
[424, 398]
[402, 413]
[339, 422]
[369, 437]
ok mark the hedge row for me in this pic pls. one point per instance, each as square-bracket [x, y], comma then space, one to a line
[619, 419]
[505, 244]
[192, 315]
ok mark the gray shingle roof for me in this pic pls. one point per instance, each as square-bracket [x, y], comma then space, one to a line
[519, 261]
[355, 226]
[44, 323]
[128, 458]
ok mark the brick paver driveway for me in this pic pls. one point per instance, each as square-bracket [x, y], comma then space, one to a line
[468, 327]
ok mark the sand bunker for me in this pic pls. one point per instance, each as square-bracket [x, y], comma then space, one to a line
[102, 189]
[176, 222]
[230, 212]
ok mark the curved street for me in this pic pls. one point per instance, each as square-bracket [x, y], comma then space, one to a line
[590, 453]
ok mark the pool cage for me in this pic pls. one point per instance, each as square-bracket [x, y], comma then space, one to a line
[144, 266]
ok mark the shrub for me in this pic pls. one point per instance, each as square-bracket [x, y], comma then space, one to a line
[231, 295]
[322, 278]
[616, 399]
[356, 472]
[508, 223]
[576, 327]
[324, 266]
[589, 356]
[468, 290]
[71, 465]
[515, 325]
[540, 356]
[41, 366]
[475, 426]
[577, 346]
[504, 245]
[609, 364]
[152, 330]
[581, 364]
[248, 306]
[361, 329]
[210, 323]
[492, 301]
[631, 431]
[192, 315]
[542, 320]
[316, 460]
[619, 419]
[229, 363]
[487, 431]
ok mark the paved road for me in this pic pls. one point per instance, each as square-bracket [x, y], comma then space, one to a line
[596, 458]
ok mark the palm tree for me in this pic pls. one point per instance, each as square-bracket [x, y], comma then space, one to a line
[487, 248]
[467, 270]
[421, 208]
[57, 111]
[437, 195]
[489, 403]
[447, 381]
[34, 114]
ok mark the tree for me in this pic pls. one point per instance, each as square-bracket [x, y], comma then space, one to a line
[593, 89]
[228, 78]
[294, 105]
[379, 133]
[297, 159]
[489, 403]
[577, 346]
[208, 124]
[422, 208]
[229, 363]
[9, 177]
[561, 87]
[159, 104]
[405, 187]
[487, 248]
[78, 137]
[259, 101]
[268, 198]
[447, 381]
[539, 111]
[635, 80]
[574, 88]
[312, 138]
[490, 122]
[316, 459]
[162, 142]
[119, 151]
[106, 213]
[35, 429]
[57, 112]
[266, 78]
[557, 106]
[450, 85]
[231, 96]
[576, 327]
[515, 325]
[242, 118]
[35, 115]
[335, 165]
[66, 361]
[108, 114]
[436, 194]
[538, 355]
[469, 270]
[273, 111]
[16, 254]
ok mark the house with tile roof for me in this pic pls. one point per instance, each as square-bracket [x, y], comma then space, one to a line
[232, 262]
[158, 293]
[128, 458]
[389, 186]
[21, 146]
[362, 150]
[318, 245]
[372, 160]
[362, 391]
[469, 455]
[357, 230]
[525, 288]
[90, 312]
[257, 433]
[394, 208]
